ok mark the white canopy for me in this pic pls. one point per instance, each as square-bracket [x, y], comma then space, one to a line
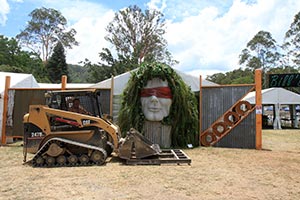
[120, 82]
[18, 80]
[275, 96]
[69, 85]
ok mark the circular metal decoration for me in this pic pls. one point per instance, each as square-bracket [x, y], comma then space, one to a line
[231, 118]
[219, 128]
[242, 107]
[208, 138]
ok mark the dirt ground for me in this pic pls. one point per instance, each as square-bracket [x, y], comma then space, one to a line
[215, 173]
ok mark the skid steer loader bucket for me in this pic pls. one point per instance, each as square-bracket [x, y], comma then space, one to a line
[135, 145]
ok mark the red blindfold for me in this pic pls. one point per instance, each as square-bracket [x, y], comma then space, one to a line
[160, 92]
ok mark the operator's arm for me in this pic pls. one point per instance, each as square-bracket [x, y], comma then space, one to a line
[84, 111]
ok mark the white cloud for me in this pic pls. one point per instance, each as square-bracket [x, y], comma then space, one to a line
[90, 35]
[211, 41]
[157, 5]
[4, 10]
[91, 21]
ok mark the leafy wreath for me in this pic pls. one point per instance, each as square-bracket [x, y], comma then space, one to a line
[183, 116]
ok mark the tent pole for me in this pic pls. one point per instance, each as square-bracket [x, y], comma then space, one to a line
[258, 102]
[111, 96]
[64, 82]
[200, 109]
[4, 114]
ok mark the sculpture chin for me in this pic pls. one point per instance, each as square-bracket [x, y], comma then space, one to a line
[153, 116]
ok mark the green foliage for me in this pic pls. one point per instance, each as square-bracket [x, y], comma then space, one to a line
[46, 27]
[13, 59]
[56, 65]
[183, 115]
[8, 68]
[238, 76]
[9, 51]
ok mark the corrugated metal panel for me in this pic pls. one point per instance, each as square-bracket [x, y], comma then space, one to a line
[215, 102]
[116, 107]
[242, 136]
[105, 101]
[22, 100]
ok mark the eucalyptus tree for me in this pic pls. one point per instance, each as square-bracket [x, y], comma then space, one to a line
[136, 36]
[46, 27]
[292, 43]
[261, 52]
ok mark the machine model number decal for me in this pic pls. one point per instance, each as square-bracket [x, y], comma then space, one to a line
[36, 134]
[86, 121]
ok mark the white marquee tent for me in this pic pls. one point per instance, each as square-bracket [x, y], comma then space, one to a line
[276, 97]
[17, 80]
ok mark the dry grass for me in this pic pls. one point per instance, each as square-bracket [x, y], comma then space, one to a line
[215, 173]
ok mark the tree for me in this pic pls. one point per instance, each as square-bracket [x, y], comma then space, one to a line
[261, 52]
[292, 42]
[56, 65]
[46, 27]
[9, 51]
[136, 37]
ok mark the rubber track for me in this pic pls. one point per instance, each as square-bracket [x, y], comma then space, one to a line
[67, 164]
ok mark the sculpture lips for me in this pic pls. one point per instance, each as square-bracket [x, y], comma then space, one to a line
[154, 109]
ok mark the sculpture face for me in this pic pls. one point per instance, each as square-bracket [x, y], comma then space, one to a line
[156, 99]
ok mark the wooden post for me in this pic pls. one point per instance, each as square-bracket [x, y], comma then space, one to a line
[258, 102]
[200, 109]
[111, 95]
[4, 114]
[64, 82]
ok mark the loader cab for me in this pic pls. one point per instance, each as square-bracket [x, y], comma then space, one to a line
[90, 100]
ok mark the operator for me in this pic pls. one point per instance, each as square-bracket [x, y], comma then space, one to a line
[76, 107]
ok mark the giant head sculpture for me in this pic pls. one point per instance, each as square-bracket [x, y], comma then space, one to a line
[155, 92]
[156, 99]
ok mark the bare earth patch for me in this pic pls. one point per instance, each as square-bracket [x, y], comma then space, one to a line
[215, 173]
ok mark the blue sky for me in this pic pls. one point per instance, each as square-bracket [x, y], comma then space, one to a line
[205, 36]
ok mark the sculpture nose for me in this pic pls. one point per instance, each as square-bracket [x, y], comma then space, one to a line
[154, 99]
